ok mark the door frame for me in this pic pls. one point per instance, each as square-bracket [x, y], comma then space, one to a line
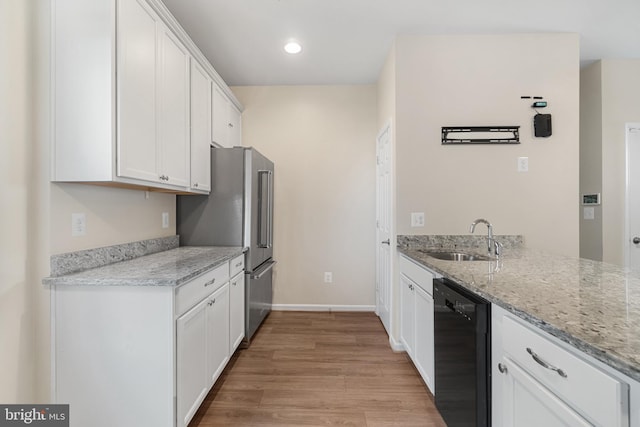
[627, 228]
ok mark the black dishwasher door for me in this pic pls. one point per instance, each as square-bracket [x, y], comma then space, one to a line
[462, 355]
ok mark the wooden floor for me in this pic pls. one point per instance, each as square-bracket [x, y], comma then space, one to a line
[319, 369]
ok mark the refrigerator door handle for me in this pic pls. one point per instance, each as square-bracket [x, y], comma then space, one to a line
[261, 272]
[270, 211]
[264, 215]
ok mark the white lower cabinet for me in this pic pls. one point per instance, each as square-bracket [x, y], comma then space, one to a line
[423, 356]
[202, 339]
[537, 381]
[192, 382]
[236, 311]
[407, 314]
[142, 356]
[416, 318]
[527, 403]
[217, 333]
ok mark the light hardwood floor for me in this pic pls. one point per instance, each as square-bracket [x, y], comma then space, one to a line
[319, 369]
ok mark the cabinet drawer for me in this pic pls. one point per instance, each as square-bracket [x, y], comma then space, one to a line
[195, 290]
[236, 265]
[419, 275]
[599, 396]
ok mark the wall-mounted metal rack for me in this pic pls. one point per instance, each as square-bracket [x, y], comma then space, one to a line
[481, 135]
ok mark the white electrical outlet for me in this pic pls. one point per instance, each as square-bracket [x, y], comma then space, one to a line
[328, 277]
[523, 164]
[78, 224]
[165, 219]
[417, 219]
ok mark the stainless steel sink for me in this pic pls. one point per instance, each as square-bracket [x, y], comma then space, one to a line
[455, 256]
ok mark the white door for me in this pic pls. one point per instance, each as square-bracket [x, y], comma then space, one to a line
[384, 218]
[632, 235]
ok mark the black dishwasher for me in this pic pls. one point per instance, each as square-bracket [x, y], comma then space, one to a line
[462, 355]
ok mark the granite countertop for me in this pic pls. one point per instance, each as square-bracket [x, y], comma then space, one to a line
[172, 267]
[591, 305]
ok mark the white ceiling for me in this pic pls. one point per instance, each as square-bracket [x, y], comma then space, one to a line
[347, 41]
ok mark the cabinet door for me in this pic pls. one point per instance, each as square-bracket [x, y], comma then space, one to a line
[220, 117]
[200, 128]
[407, 318]
[527, 403]
[424, 350]
[137, 50]
[217, 332]
[191, 364]
[173, 117]
[236, 309]
[235, 126]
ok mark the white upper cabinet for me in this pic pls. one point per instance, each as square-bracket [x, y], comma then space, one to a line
[235, 126]
[200, 129]
[173, 124]
[226, 118]
[137, 96]
[153, 98]
[123, 112]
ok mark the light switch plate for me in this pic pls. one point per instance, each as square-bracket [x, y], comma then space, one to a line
[417, 219]
[78, 224]
[523, 164]
[589, 213]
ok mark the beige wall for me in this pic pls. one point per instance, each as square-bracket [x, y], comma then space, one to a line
[113, 216]
[16, 257]
[322, 141]
[620, 95]
[36, 215]
[478, 80]
[591, 157]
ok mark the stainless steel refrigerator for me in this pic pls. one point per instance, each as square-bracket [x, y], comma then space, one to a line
[237, 212]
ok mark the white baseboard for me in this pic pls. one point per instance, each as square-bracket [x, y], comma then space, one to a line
[395, 345]
[322, 307]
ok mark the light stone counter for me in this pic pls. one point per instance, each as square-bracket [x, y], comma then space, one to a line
[591, 305]
[168, 268]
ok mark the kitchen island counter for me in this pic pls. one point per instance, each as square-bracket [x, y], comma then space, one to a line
[593, 306]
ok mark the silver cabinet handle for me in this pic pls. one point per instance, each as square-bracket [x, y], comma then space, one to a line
[544, 364]
[238, 264]
[195, 185]
[502, 368]
[386, 242]
[210, 303]
[210, 282]
[636, 240]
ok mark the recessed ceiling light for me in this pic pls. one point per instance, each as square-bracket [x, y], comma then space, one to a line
[293, 48]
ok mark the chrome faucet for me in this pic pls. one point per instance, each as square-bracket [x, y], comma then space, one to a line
[497, 246]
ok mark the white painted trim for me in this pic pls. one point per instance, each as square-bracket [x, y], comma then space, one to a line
[322, 307]
[396, 346]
